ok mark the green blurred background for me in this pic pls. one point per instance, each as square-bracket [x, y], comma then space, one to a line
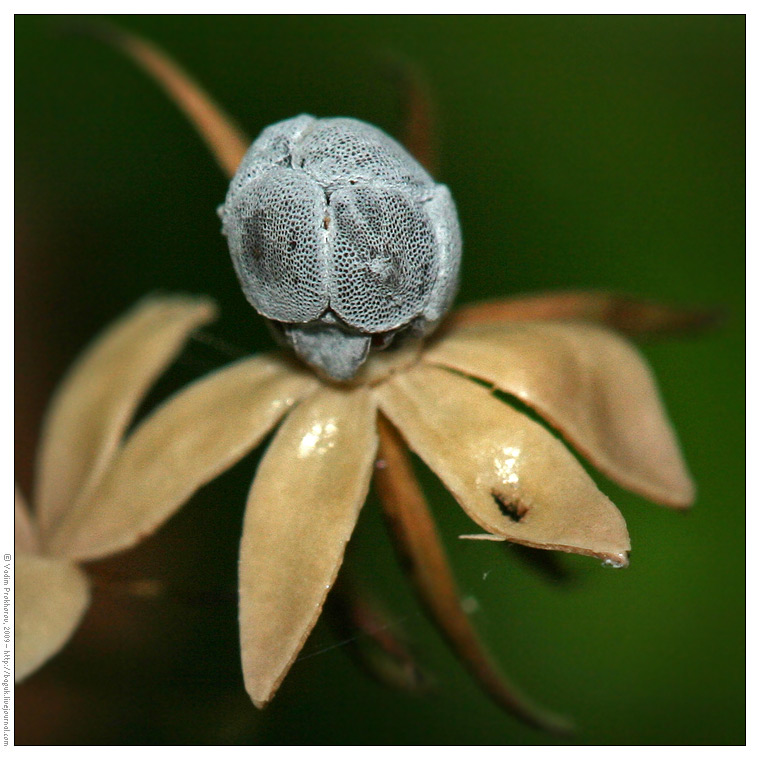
[583, 152]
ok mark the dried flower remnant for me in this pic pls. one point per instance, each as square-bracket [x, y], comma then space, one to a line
[82, 434]
[511, 475]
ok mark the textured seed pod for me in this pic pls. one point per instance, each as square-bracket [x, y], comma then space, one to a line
[340, 239]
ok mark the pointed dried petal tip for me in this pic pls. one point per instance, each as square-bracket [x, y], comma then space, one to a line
[510, 475]
[188, 441]
[301, 512]
[51, 598]
[590, 384]
[96, 401]
[620, 560]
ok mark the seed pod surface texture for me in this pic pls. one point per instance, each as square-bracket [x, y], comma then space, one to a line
[340, 239]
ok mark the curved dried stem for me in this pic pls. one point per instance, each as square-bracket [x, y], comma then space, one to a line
[226, 141]
[418, 544]
[633, 316]
[418, 113]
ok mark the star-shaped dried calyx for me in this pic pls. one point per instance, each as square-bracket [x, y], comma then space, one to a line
[514, 477]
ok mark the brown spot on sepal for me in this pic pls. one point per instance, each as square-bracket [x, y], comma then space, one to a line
[511, 508]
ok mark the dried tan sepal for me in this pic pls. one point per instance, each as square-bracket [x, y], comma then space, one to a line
[633, 316]
[51, 598]
[25, 531]
[510, 475]
[95, 403]
[301, 512]
[189, 440]
[590, 384]
[422, 554]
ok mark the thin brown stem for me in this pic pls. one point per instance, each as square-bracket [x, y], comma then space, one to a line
[420, 548]
[418, 113]
[226, 141]
[633, 316]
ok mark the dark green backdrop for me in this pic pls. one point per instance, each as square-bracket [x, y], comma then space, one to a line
[603, 152]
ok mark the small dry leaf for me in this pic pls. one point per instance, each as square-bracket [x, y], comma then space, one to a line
[301, 512]
[511, 476]
[590, 384]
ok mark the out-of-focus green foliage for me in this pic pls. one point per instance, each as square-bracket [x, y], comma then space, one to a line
[583, 152]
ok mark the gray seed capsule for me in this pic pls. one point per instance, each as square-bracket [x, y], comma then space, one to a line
[340, 239]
